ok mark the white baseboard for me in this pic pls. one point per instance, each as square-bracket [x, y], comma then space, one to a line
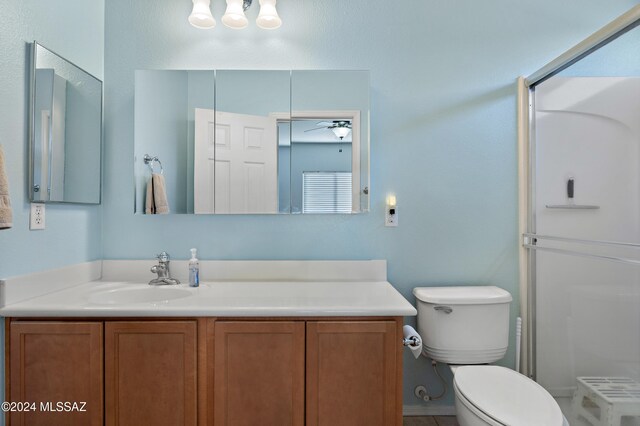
[428, 410]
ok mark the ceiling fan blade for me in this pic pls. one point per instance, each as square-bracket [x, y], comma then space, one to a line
[324, 123]
[317, 128]
[343, 125]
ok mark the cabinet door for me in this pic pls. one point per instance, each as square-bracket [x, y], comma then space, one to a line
[56, 362]
[352, 370]
[150, 373]
[259, 373]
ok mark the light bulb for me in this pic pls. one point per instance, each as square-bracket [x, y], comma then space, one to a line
[391, 201]
[201, 16]
[268, 18]
[234, 15]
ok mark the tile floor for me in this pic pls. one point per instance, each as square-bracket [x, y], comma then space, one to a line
[430, 421]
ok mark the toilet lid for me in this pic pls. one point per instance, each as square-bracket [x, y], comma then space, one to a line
[507, 396]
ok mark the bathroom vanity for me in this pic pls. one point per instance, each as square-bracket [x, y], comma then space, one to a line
[231, 352]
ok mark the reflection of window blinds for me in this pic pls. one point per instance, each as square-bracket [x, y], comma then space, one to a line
[326, 192]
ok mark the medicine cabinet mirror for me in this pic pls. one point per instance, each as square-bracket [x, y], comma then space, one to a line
[65, 130]
[252, 142]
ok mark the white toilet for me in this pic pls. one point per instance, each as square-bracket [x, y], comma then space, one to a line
[468, 326]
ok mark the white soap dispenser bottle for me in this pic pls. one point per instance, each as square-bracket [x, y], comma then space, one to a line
[194, 270]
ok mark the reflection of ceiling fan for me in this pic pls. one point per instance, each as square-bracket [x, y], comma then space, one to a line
[340, 128]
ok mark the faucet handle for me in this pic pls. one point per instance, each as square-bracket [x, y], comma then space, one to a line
[163, 257]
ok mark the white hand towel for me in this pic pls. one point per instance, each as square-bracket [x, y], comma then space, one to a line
[6, 216]
[160, 194]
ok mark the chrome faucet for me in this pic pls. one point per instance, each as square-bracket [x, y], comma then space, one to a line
[162, 269]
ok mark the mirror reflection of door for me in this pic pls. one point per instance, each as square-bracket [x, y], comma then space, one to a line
[235, 168]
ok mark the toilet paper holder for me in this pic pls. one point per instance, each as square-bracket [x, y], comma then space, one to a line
[411, 341]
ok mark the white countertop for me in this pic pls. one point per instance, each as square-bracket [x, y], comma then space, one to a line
[118, 288]
[220, 299]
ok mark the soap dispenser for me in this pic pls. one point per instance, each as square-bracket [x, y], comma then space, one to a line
[194, 270]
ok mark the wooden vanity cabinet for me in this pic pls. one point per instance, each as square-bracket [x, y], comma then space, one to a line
[55, 362]
[352, 373]
[150, 373]
[259, 373]
[321, 372]
[209, 371]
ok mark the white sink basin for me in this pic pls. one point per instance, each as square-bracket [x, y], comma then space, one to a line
[126, 296]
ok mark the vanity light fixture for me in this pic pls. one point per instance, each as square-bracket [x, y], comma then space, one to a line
[234, 16]
[268, 18]
[201, 16]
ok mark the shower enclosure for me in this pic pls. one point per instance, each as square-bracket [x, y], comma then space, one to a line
[580, 223]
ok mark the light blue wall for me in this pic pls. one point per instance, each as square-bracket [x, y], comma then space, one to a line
[443, 130]
[253, 92]
[314, 157]
[284, 179]
[75, 30]
[306, 157]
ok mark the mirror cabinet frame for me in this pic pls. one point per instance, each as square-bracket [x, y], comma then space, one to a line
[360, 140]
[33, 187]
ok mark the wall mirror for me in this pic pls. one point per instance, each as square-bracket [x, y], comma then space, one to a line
[65, 130]
[251, 141]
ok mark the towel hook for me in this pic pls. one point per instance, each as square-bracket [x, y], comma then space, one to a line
[149, 160]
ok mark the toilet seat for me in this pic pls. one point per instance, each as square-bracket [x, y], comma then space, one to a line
[505, 397]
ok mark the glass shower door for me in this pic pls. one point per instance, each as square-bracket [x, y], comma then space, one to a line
[585, 235]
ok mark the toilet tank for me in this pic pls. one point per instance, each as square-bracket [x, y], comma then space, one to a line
[463, 325]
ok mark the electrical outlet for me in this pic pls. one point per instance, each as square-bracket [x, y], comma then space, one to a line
[37, 216]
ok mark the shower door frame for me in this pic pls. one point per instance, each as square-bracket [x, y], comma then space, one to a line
[526, 175]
